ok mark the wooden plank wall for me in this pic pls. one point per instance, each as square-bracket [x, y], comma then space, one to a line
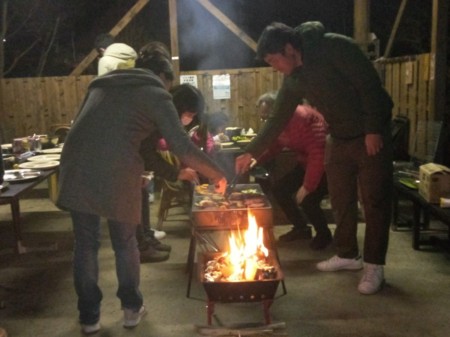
[246, 87]
[32, 105]
[407, 80]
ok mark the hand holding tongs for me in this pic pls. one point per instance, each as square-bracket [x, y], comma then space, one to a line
[233, 182]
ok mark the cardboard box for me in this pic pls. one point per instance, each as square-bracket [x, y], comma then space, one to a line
[434, 182]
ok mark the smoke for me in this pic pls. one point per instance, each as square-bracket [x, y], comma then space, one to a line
[205, 43]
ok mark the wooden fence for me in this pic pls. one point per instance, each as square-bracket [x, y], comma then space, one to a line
[409, 81]
[33, 105]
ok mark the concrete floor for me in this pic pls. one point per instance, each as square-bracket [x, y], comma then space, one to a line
[37, 296]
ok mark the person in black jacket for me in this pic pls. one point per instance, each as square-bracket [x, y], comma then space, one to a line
[332, 73]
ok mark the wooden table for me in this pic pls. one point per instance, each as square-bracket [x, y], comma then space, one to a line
[12, 196]
[422, 211]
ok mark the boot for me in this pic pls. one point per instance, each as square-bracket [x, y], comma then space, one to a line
[322, 240]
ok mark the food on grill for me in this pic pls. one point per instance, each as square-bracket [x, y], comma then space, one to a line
[203, 189]
[206, 203]
[235, 196]
[250, 191]
[235, 200]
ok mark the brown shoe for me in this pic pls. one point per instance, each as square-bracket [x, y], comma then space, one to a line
[151, 255]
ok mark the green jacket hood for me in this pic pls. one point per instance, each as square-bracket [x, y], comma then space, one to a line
[311, 33]
[127, 77]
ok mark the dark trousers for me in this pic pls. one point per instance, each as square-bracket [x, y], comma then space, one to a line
[347, 165]
[143, 228]
[284, 191]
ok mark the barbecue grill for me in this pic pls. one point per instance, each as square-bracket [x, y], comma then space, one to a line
[219, 218]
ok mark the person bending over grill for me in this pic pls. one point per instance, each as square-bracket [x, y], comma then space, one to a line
[332, 73]
[101, 176]
[300, 192]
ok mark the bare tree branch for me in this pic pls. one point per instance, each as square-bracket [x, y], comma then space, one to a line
[24, 21]
[43, 59]
[18, 57]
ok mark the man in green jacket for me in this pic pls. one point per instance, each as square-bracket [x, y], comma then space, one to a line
[332, 73]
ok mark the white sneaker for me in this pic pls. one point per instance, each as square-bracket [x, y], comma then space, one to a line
[89, 329]
[132, 318]
[159, 234]
[372, 280]
[336, 263]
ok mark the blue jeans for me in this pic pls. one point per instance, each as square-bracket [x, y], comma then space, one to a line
[86, 229]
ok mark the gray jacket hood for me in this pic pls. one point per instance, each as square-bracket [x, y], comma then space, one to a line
[126, 78]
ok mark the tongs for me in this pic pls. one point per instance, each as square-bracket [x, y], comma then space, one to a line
[232, 185]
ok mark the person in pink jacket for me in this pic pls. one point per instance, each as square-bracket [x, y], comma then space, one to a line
[300, 192]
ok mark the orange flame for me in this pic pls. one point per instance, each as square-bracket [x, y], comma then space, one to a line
[246, 250]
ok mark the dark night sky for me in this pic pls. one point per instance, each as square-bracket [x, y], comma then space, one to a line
[205, 43]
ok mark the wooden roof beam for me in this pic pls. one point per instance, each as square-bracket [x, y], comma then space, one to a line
[114, 32]
[228, 23]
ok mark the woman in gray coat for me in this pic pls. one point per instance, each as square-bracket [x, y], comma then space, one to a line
[100, 175]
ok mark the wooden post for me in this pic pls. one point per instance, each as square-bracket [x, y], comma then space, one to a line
[174, 39]
[439, 30]
[361, 19]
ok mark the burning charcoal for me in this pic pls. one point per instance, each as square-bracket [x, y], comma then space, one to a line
[213, 276]
[211, 266]
[226, 271]
[222, 259]
[269, 273]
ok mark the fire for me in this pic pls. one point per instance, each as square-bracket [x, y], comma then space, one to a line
[245, 251]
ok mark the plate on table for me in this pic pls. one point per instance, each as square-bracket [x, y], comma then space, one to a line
[243, 141]
[20, 175]
[53, 150]
[226, 144]
[39, 164]
[6, 146]
[45, 157]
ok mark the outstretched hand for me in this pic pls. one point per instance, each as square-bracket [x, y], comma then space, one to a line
[188, 174]
[242, 163]
[220, 186]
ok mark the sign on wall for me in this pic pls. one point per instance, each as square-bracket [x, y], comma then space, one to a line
[221, 86]
[189, 79]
